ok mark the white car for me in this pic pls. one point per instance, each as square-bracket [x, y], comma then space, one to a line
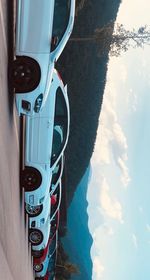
[43, 28]
[46, 137]
[38, 214]
[38, 237]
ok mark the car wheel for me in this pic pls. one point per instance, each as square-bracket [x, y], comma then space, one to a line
[24, 74]
[33, 211]
[30, 179]
[35, 236]
[38, 267]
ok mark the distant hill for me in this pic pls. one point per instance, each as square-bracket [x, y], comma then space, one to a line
[85, 74]
[78, 240]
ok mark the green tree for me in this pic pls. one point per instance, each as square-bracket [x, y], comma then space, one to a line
[117, 39]
[64, 268]
[79, 5]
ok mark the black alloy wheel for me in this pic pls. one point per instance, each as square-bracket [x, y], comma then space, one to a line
[35, 237]
[24, 74]
[33, 211]
[30, 179]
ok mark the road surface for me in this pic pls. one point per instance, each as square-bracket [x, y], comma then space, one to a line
[15, 261]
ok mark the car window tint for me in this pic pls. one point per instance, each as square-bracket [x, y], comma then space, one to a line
[57, 143]
[56, 173]
[51, 265]
[52, 247]
[60, 22]
[57, 197]
[53, 228]
[60, 125]
[61, 110]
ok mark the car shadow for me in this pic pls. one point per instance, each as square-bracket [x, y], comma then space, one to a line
[10, 48]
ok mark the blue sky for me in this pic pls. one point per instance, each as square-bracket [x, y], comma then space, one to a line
[119, 189]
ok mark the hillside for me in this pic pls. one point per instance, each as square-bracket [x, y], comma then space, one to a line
[85, 74]
[78, 240]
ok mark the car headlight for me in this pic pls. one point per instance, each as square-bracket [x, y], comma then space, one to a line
[42, 221]
[38, 103]
[41, 200]
[31, 199]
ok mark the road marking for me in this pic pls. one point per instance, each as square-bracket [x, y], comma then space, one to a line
[3, 27]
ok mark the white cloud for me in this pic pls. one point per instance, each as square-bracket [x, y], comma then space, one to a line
[103, 237]
[111, 140]
[134, 240]
[141, 209]
[148, 227]
[124, 172]
[110, 206]
[98, 268]
[132, 100]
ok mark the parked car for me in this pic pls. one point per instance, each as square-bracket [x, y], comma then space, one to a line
[43, 28]
[48, 265]
[39, 256]
[46, 137]
[38, 214]
[38, 237]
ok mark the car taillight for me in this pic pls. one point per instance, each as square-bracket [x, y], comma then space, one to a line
[59, 76]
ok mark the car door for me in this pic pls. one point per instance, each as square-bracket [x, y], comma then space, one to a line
[39, 133]
[34, 25]
[37, 139]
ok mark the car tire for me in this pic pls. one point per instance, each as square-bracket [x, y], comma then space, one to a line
[24, 74]
[38, 267]
[31, 179]
[35, 237]
[33, 211]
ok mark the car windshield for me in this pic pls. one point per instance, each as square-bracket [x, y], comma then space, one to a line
[60, 23]
[60, 125]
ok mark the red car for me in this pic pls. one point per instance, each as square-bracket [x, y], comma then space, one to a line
[47, 257]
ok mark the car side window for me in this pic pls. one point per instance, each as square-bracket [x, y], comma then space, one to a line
[52, 247]
[57, 197]
[56, 174]
[51, 265]
[60, 125]
[60, 22]
[57, 142]
[53, 227]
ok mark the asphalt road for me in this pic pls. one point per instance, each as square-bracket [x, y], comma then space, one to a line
[15, 261]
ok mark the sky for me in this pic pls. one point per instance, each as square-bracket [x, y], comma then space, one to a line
[119, 188]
